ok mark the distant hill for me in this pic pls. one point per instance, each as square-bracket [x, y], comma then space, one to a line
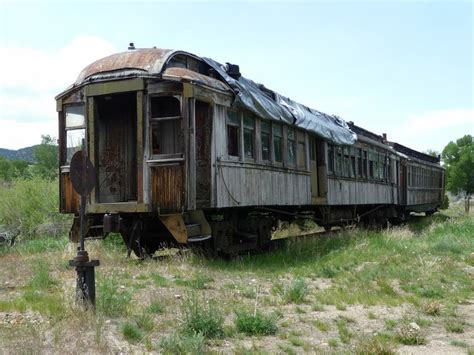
[25, 154]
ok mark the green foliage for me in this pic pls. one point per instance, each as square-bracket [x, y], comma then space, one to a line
[454, 325]
[375, 345]
[131, 332]
[145, 322]
[295, 292]
[27, 204]
[46, 155]
[111, 300]
[201, 317]
[42, 279]
[445, 203]
[192, 344]
[459, 163]
[198, 282]
[255, 323]
[13, 169]
[156, 307]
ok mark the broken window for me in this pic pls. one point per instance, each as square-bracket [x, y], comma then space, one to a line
[75, 124]
[249, 136]
[165, 121]
[233, 133]
[338, 161]
[266, 131]
[291, 147]
[278, 143]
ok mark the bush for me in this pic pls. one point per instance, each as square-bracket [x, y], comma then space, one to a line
[131, 332]
[410, 334]
[445, 203]
[31, 206]
[183, 344]
[376, 345]
[296, 291]
[203, 318]
[255, 324]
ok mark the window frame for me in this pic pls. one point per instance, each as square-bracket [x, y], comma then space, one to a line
[66, 162]
[155, 121]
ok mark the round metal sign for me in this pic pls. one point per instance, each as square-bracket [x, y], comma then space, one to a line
[82, 173]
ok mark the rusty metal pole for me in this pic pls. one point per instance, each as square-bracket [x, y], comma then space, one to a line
[82, 179]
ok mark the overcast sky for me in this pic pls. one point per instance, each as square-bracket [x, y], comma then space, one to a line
[404, 68]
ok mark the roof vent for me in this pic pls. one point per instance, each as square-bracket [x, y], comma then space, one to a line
[233, 70]
[131, 46]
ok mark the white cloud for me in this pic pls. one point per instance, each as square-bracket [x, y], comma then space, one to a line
[433, 129]
[29, 81]
[440, 119]
[15, 134]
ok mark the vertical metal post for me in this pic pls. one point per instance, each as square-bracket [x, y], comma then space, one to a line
[85, 273]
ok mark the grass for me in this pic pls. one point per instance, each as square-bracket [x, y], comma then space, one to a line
[256, 323]
[198, 282]
[112, 300]
[295, 292]
[409, 335]
[131, 332]
[200, 317]
[321, 325]
[156, 307]
[173, 305]
[454, 325]
[375, 345]
[193, 344]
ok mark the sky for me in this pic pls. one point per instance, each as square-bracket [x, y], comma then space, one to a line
[404, 68]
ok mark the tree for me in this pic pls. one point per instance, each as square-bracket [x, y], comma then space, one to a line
[46, 155]
[433, 153]
[458, 160]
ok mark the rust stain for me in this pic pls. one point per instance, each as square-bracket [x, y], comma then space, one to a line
[143, 59]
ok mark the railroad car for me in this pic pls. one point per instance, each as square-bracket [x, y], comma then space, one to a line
[188, 151]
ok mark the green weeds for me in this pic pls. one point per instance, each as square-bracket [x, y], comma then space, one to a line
[255, 323]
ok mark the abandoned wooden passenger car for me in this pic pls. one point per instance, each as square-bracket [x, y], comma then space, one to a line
[188, 150]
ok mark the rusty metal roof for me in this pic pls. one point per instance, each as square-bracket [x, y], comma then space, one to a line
[149, 60]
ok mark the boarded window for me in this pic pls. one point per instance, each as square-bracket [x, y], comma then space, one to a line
[371, 164]
[233, 133]
[266, 131]
[359, 162]
[301, 150]
[338, 161]
[75, 130]
[330, 159]
[278, 143]
[346, 166]
[249, 137]
[364, 164]
[352, 162]
[165, 122]
[291, 147]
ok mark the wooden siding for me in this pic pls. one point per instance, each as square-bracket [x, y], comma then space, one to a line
[353, 192]
[70, 199]
[168, 187]
[243, 184]
[420, 196]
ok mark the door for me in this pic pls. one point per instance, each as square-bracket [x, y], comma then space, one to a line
[116, 147]
[313, 168]
[203, 154]
[403, 184]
